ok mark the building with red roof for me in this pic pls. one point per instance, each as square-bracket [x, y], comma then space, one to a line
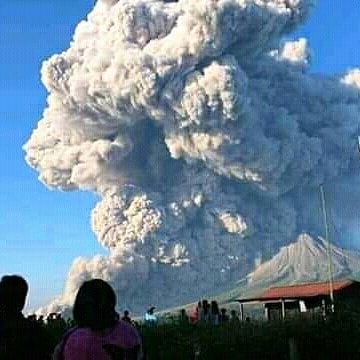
[283, 301]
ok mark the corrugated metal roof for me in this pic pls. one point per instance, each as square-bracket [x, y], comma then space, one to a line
[304, 290]
[300, 291]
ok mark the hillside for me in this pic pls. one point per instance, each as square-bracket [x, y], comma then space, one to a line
[305, 260]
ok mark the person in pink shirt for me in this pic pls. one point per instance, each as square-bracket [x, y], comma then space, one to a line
[99, 334]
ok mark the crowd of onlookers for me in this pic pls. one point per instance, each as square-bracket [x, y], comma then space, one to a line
[209, 313]
[204, 313]
[96, 332]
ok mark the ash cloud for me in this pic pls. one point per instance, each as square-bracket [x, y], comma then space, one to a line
[203, 133]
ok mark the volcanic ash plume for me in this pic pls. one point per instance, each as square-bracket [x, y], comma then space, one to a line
[204, 134]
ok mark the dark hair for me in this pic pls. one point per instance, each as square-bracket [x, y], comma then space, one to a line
[13, 291]
[94, 305]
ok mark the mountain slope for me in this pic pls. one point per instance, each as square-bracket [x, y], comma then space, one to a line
[305, 260]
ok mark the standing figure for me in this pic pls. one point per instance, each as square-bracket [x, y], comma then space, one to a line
[214, 313]
[150, 317]
[20, 338]
[99, 334]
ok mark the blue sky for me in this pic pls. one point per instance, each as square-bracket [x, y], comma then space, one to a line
[42, 231]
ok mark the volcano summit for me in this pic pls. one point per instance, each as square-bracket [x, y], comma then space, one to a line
[204, 135]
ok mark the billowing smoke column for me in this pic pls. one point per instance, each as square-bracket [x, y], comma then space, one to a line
[204, 134]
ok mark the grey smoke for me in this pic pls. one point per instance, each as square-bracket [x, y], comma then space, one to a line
[203, 133]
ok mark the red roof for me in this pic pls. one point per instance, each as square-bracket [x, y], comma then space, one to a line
[304, 290]
[301, 291]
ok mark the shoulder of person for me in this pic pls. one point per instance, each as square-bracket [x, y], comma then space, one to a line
[129, 330]
[77, 344]
[76, 339]
[126, 326]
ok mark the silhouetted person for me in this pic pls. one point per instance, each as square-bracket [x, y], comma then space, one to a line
[20, 338]
[234, 317]
[126, 317]
[56, 325]
[199, 312]
[183, 317]
[40, 320]
[205, 314]
[51, 318]
[32, 317]
[150, 317]
[214, 313]
[224, 318]
[99, 334]
[60, 322]
[205, 304]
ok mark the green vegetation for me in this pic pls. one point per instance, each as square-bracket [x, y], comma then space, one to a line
[315, 339]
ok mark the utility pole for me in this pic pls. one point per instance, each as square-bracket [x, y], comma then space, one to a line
[330, 266]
